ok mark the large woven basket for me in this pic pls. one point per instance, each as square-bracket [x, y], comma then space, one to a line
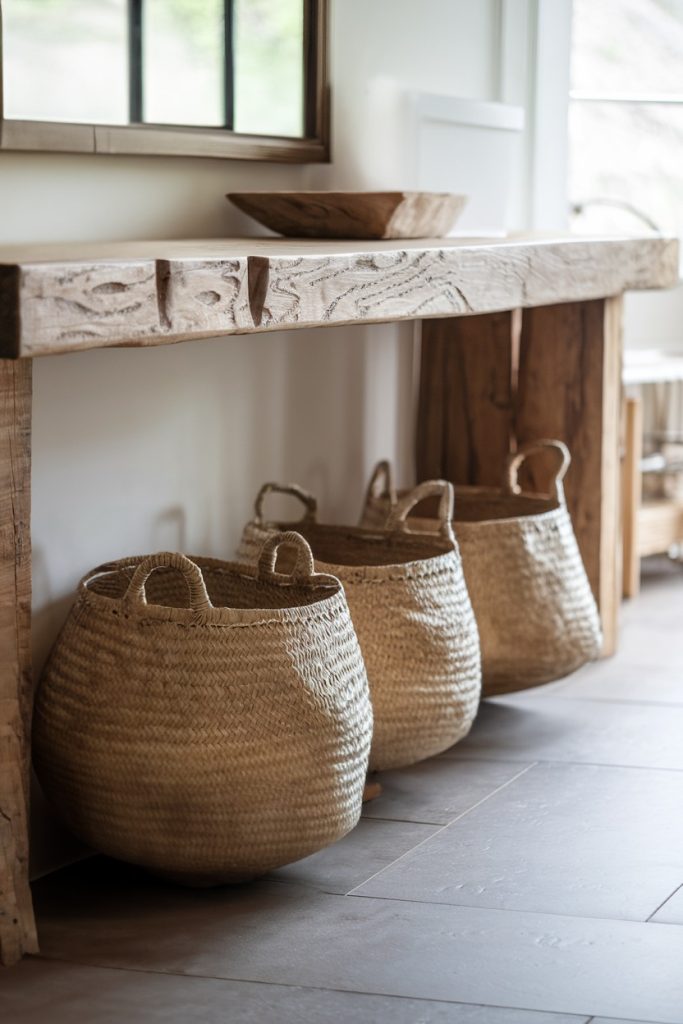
[208, 722]
[413, 617]
[536, 613]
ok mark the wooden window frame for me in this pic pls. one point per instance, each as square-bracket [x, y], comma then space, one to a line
[182, 140]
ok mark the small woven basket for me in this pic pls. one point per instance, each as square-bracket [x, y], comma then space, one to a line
[412, 615]
[536, 613]
[205, 721]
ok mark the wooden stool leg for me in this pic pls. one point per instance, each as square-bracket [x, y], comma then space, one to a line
[570, 388]
[17, 926]
[632, 492]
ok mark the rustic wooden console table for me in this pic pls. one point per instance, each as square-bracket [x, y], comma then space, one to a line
[491, 376]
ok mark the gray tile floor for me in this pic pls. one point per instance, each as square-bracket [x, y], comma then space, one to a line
[532, 875]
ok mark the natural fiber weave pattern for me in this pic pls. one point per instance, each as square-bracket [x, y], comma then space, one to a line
[214, 738]
[414, 622]
[536, 613]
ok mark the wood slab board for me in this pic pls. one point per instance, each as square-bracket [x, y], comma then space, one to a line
[56, 299]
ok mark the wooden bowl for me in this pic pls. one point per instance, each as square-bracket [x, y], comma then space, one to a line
[353, 214]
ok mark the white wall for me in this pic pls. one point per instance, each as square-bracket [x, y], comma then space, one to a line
[139, 450]
[654, 320]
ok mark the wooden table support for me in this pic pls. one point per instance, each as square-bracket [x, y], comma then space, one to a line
[17, 927]
[632, 486]
[466, 406]
[484, 386]
[484, 390]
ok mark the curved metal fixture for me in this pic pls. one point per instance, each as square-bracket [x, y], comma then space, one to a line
[620, 204]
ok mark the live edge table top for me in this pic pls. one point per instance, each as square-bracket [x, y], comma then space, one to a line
[65, 298]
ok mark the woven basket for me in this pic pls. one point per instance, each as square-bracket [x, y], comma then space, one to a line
[532, 601]
[216, 732]
[413, 617]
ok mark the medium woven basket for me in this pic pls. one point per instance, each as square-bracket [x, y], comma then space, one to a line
[412, 615]
[205, 721]
[536, 613]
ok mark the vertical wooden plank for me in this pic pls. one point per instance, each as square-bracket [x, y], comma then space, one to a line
[611, 568]
[431, 408]
[632, 492]
[465, 411]
[17, 927]
[569, 387]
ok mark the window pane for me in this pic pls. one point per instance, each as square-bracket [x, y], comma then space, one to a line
[631, 152]
[183, 62]
[269, 67]
[627, 47]
[66, 60]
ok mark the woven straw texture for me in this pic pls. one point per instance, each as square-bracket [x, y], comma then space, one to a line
[413, 618]
[536, 613]
[214, 733]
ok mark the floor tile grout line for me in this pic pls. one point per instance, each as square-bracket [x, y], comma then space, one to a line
[397, 821]
[670, 676]
[405, 821]
[400, 821]
[317, 988]
[428, 839]
[501, 910]
[573, 764]
[616, 700]
[620, 1020]
[663, 904]
[313, 988]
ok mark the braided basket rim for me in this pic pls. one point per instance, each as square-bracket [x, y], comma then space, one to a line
[546, 500]
[215, 616]
[439, 561]
[466, 491]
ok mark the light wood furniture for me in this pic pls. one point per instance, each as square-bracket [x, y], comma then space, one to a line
[651, 526]
[489, 376]
[660, 526]
[632, 486]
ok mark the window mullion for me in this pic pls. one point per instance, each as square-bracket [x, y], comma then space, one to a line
[228, 65]
[135, 97]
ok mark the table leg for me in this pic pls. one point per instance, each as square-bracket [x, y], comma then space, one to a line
[17, 926]
[632, 492]
[479, 396]
[570, 387]
[465, 418]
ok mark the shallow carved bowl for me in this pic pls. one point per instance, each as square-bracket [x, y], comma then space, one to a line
[353, 214]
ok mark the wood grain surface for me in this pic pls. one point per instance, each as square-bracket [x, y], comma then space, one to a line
[353, 215]
[570, 388]
[17, 928]
[484, 390]
[66, 298]
[632, 493]
[465, 407]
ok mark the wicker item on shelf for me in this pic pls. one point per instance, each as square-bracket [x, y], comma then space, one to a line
[413, 617]
[206, 721]
[536, 613]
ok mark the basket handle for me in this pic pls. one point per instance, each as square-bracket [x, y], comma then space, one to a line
[307, 500]
[517, 460]
[381, 483]
[304, 567]
[199, 599]
[441, 489]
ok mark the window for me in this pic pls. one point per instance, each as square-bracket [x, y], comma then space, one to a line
[626, 114]
[232, 64]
